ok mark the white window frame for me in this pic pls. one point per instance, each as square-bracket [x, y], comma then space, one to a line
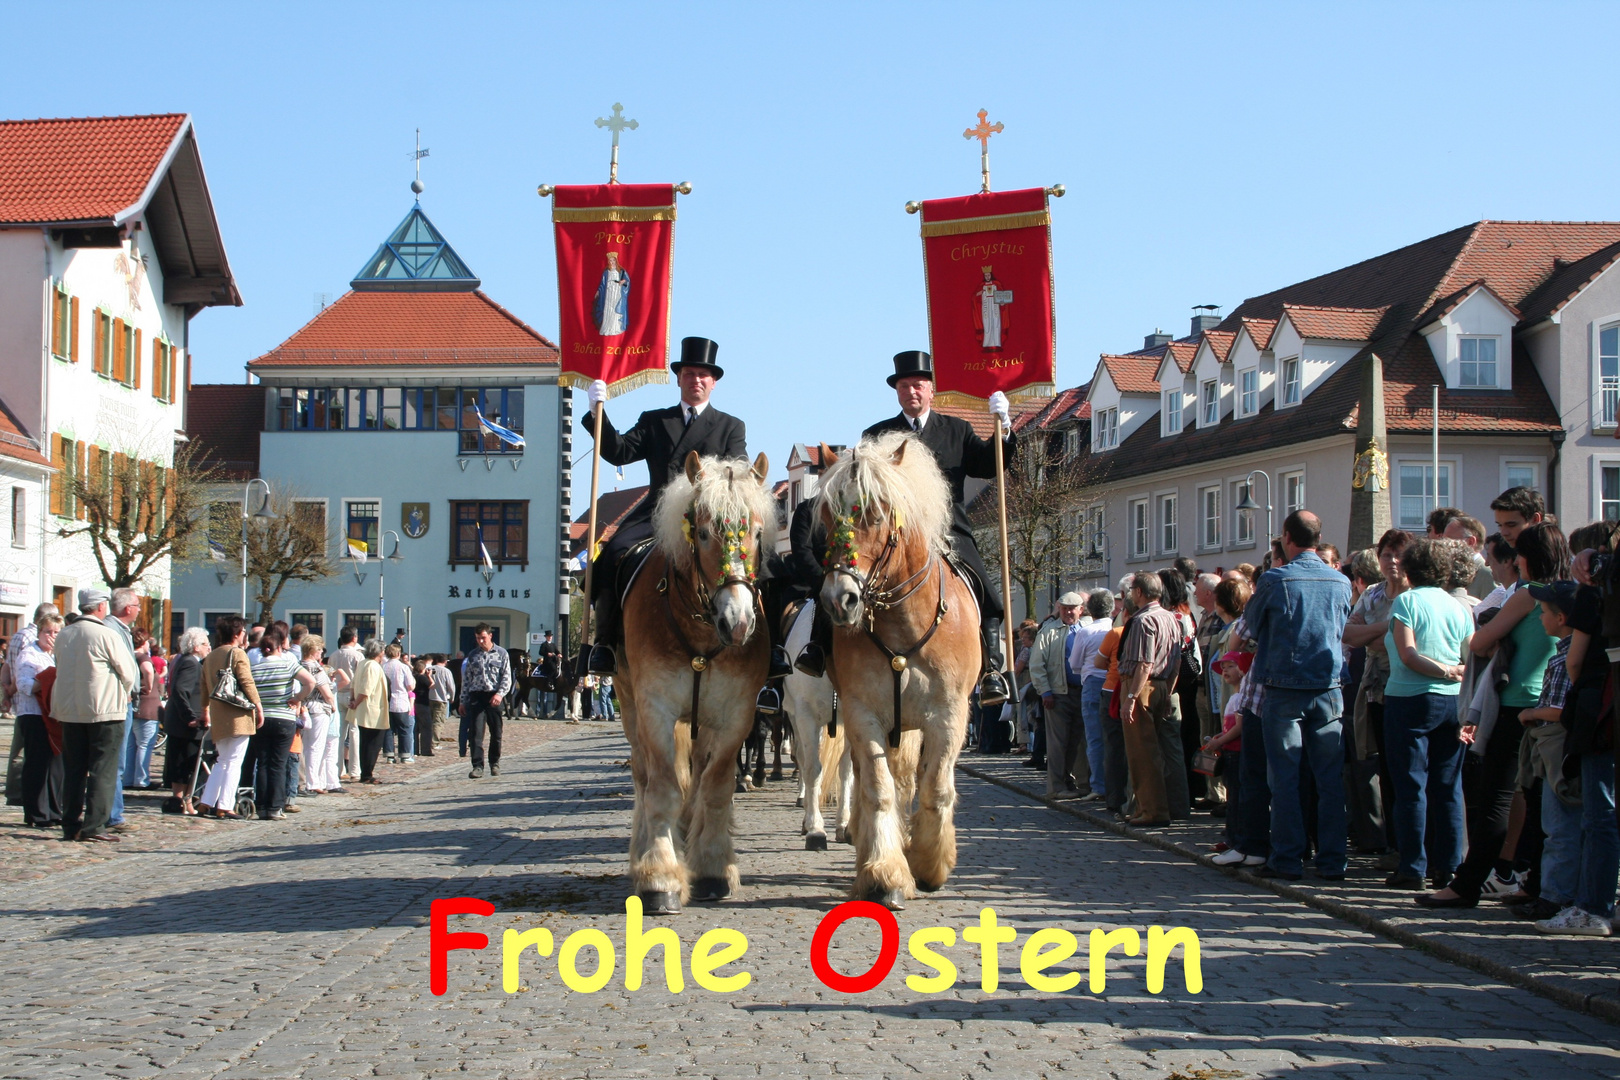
[1094, 540]
[1107, 428]
[343, 552]
[1167, 528]
[1209, 407]
[1290, 371]
[1248, 401]
[1172, 411]
[1209, 540]
[1496, 362]
[19, 516]
[1605, 392]
[1536, 465]
[343, 619]
[1241, 518]
[1283, 478]
[1451, 467]
[1133, 532]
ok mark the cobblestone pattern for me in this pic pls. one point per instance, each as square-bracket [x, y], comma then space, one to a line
[303, 952]
[1587, 966]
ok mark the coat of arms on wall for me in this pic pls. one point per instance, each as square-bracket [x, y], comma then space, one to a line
[413, 519]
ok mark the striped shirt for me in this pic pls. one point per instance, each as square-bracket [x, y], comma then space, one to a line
[276, 676]
[486, 671]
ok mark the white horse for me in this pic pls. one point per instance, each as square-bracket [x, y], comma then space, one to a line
[808, 703]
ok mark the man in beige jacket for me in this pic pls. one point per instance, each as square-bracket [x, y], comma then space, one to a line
[95, 673]
[1068, 770]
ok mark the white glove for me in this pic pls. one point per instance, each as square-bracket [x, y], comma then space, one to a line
[999, 408]
[598, 392]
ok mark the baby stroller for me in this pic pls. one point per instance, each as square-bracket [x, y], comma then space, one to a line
[207, 757]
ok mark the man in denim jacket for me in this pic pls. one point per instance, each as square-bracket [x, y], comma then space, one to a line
[1297, 618]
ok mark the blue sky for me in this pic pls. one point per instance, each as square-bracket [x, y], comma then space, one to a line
[1211, 152]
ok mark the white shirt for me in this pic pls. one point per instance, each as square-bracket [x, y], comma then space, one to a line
[33, 661]
[1084, 651]
[919, 421]
[690, 413]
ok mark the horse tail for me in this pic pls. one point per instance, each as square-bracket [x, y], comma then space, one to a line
[832, 754]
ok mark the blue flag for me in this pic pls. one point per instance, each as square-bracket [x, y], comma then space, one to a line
[489, 427]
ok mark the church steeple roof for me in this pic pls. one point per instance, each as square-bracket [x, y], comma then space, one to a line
[415, 258]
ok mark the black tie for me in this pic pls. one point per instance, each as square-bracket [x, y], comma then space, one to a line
[916, 424]
[690, 412]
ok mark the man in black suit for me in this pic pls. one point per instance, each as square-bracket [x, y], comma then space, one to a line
[960, 453]
[662, 438]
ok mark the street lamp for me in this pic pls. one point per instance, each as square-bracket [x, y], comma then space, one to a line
[382, 573]
[1248, 503]
[262, 512]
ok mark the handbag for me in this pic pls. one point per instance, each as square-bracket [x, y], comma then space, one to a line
[1205, 762]
[227, 692]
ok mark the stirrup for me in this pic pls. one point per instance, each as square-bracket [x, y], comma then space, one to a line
[601, 661]
[812, 661]
[770, 701]
[993, 689]
[780, 667]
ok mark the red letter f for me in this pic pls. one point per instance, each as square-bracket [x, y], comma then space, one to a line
[441, 941]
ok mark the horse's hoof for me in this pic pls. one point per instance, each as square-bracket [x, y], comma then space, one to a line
[710, 888]
[816, 842]
[846, 836]
[660, 903]
[776, 774]
[928, 886]
[893, 899]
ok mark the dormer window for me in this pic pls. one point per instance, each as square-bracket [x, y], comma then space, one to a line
[1210, 395]
[1248, 391]
[1172, 411]
[1477, 362]
[1290, 380]
[1107, 424]
[1609, 374]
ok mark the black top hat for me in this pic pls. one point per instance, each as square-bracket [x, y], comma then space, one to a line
[915, 362]
[700, 352]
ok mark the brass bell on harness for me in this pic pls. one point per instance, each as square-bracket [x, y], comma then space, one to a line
[898, 663]
[699, 663]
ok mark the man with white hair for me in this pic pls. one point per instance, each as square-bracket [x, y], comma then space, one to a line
[96, 671]
[125, 608]
[1068, 772]
[8, 670]
[1205, 723]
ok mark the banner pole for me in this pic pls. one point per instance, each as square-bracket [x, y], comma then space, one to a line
[590, 529]
[1006, 566]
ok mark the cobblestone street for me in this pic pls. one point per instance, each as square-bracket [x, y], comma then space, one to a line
[301, 950]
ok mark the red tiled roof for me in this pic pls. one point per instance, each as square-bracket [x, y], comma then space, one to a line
[86, 169]
[1410, 374]
[1514, 257]
[1220, 342]
[392, 327]
[224, 420]
[611, 507]
[1334, 323]
[979, 416]
[1068, 404]
[1183, 352]
[1132, 373]
[1567, 279]
[16, 443]
[1260, 330]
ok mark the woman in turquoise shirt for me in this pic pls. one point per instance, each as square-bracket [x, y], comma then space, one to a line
[1542, 556]
[1427, 644]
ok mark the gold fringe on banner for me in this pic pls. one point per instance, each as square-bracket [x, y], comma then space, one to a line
[986, 224]
[623, 386]
[614, 213]
[956, 399]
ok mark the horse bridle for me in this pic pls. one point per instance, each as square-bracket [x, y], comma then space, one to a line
[734, 535]
[878, 596]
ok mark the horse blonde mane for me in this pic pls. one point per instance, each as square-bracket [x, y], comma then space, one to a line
[726, 490]
[914, 488]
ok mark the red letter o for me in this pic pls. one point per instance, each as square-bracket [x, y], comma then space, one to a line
[890, 948]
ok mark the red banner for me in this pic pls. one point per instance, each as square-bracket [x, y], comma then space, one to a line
[988, 263]
[615, 256]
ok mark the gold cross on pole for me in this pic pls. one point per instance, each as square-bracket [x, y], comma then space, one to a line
[616, 123]
[982, 132]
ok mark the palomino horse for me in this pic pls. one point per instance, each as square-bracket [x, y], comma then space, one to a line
[690, 669]
[905, 655]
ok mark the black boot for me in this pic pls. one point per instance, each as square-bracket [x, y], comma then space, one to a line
[781, 668]
[993, 686]
[605, 614]
[812, 659]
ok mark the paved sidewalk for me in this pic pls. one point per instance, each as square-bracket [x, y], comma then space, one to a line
[302, 952]
[1579, 972]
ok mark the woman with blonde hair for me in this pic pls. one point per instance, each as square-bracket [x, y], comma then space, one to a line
[319, 762]
[368, 709]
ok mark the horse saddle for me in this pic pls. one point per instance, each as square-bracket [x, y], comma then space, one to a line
[629, 565]
[790, 615]
[975, 584]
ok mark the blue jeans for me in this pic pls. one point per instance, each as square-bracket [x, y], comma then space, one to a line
[402, 727]
[1561, 850]
[117, 815]
[138, 743]
[1600, 838]
[1091, 716]
[1253, 830]
[1425, 763]
[1305, 725]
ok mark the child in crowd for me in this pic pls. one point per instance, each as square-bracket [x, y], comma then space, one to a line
[1229, 744]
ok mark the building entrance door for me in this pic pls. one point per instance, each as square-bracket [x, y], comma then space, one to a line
[465, 641]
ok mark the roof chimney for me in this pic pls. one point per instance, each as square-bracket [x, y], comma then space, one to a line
[1205, 317]
[1156, 340]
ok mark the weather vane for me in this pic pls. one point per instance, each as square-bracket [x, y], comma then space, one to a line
[615, 123]
[417, 156]
[982, 132]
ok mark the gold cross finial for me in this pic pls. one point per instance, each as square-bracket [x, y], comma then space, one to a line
[982, 132]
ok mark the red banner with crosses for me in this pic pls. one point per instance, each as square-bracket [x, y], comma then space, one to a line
[615, 260]
[988, 263]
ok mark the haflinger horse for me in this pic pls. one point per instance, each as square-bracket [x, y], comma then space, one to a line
[690, 668]
[905, 656]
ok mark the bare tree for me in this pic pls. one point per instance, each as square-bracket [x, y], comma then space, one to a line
[1046, 492]
[290, 545]
[135, 511]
